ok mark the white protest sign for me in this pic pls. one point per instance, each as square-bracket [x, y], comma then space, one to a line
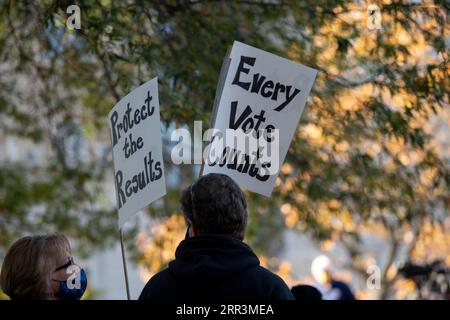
[261, 91]
[137, 150]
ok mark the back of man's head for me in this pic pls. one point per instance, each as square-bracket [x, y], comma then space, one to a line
[216, 205]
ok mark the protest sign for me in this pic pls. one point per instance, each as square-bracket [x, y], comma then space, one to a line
[137, 150]
[261, 91]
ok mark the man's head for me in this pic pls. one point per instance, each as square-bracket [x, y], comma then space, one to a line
[214, 204]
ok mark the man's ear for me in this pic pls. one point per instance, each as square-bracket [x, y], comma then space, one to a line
[192, 229]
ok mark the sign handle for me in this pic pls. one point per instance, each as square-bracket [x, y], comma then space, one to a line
[124, 265]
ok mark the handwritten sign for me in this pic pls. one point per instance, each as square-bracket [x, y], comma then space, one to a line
[137, 150]
[260, 91]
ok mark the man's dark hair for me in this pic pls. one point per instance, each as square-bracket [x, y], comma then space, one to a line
[216, 205]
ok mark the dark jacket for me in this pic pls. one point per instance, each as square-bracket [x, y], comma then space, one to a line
[304, 292]
[215, 268]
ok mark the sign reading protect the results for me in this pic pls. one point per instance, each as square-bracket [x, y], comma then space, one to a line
[137, 150]
[261, 91]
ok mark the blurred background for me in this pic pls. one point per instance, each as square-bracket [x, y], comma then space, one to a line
[366, 181]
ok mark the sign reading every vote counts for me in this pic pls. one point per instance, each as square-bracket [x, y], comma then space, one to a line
[260, 91]
[137, 150]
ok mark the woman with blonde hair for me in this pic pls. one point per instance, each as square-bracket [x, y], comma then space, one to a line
[42, 268]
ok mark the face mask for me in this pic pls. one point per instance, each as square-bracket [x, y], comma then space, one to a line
[74, 287]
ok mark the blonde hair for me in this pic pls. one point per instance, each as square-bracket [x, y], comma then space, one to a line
[29, 264]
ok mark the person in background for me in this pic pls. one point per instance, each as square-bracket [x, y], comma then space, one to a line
[213, 263]
[331, 289]
[304, 292]
[42, 268]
